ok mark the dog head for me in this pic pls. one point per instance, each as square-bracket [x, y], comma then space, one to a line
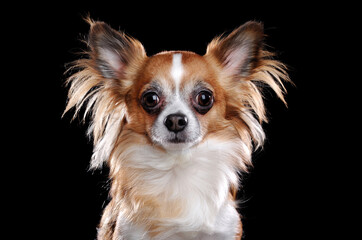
[174, 100]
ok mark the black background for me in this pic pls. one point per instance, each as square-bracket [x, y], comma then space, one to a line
[283, 196]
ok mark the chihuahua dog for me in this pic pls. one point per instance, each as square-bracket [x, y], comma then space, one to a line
[175, 129]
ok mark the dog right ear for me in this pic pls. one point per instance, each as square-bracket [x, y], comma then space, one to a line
[112, 51]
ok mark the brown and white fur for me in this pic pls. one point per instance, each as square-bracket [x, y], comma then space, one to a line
[167, 183]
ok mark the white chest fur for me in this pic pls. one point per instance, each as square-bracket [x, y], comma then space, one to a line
[199, 179]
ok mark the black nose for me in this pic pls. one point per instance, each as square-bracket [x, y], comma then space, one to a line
[176, 122]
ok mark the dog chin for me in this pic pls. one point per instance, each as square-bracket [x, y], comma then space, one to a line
[177, 144]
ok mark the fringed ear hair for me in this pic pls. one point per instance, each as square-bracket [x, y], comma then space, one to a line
[246, 69]
[113, 58]
[101, 83]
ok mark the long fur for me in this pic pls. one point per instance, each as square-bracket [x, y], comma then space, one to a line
[141, 179]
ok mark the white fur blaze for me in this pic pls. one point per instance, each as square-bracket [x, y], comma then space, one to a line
[177, 70]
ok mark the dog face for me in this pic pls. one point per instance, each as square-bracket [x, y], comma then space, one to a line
[175, 99]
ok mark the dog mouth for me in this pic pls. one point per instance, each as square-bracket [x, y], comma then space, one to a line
[170, 140]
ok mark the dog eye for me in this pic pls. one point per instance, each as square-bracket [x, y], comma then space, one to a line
[150, 100]
[204, 98]
[203, 101]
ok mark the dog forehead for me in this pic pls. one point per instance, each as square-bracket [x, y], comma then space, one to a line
[177, 68]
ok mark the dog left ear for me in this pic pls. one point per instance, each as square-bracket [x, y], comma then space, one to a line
[240, 51]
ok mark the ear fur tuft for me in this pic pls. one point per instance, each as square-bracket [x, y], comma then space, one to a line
[101, 82]
[247, 69]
